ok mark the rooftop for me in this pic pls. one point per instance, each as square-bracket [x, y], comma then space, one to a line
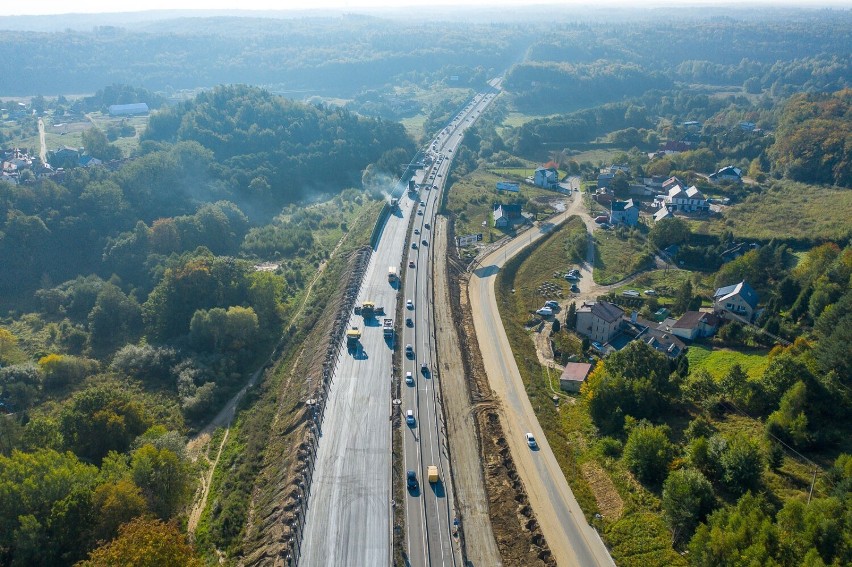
[576, 371]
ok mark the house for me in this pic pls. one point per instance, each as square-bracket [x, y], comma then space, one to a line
[695, 324]
[675, 147]
[128, 109]
[615, 168]
[739, 299]
[687, 200]
[605, 179]
[89, 161]
[599, 321]
[663, 213]
[729, 173]
[671, 182]
[547, 177]
[624, 212]
[747, 126]
[506, 215]
[639, 329]
[573, 376]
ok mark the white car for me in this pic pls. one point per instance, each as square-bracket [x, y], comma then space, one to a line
[531, 440]
[409, 378]
[630, 293]
[409, 304]
[544, 312]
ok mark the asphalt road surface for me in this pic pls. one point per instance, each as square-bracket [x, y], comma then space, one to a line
[348, 520]
[430, 538]
[571, 539]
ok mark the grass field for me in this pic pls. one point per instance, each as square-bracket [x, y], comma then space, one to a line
[414, 125]
[547, 264]
[615, 259]
[718, 361]
[667, 282]
[471, 198]
[597, 156]
[787, 209]
[521, 172]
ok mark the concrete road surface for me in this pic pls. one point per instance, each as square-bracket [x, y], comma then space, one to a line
[571, 539]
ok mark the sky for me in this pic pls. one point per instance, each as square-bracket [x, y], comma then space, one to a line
[44, 7]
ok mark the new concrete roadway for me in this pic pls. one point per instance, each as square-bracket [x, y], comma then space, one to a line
[571, 539]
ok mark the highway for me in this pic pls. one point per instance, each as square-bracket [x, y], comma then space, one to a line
[349, 510]
[429, 508]
[348, 520]
[571, 539]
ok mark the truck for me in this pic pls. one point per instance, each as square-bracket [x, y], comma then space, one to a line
[393, 274]
[369, 309]
[353, 335]
[387, 328]
[394, 203]
[432, 474]
[412, 186]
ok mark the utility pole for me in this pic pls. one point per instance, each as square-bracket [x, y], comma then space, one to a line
[812, 486]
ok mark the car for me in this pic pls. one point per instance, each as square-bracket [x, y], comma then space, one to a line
[419, 212]
[630, 293]
[531, 441]
[649, 292]
[424, 368]
[411, 480]
[416, 231]
[411, 263]
[425, 242]
[597, 346]
[426, 226]
[571, 278]
[544, 312]
[414, 244]
[409, 417]
[409, 304]
[409, 351]
[409, 378]
[434, 186]
[574, 288]
[552, 304]
[409, 322]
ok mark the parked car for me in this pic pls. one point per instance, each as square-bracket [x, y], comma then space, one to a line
[544, 312]
[630, 293]
[650, 292]
[552, 304]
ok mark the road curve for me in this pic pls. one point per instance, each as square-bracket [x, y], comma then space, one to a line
[571, 539]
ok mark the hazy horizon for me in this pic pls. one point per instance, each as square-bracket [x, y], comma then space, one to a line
[56, 7]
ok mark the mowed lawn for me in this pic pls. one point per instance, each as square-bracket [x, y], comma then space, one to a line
[471, 199]
[718, 361]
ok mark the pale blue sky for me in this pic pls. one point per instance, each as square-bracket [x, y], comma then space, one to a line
[38, 7]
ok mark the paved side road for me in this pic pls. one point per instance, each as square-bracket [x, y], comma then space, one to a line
[571, 539]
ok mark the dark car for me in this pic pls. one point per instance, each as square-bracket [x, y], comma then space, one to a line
[411, 480]
[409, 322]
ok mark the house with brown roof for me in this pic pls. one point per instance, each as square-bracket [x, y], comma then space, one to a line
[695, 324]
[599, 320]
[574, 375]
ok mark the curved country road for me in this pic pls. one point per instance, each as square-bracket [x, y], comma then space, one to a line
[571, 539]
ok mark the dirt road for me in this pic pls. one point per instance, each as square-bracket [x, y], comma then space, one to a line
[471, 499]
[42, 152]
[571, 539]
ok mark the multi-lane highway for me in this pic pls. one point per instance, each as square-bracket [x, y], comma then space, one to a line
[430, 538]
[349, 513]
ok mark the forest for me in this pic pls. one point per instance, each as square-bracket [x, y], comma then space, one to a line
[138, 296]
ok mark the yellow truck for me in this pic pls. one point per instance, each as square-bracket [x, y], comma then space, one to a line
[432, 474]
[353, 335]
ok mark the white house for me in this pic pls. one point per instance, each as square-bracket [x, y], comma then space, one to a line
[599, 320]
[547, 177]
[729, 173]
[739, 299]
[695, 324]
[686, 200]
[625, 212]
[662, 213]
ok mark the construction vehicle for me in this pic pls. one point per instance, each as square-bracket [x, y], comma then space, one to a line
[393, 274]
[387, 328]
[432, 474]
[369, 309]
[353, 335]
[394, 203]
